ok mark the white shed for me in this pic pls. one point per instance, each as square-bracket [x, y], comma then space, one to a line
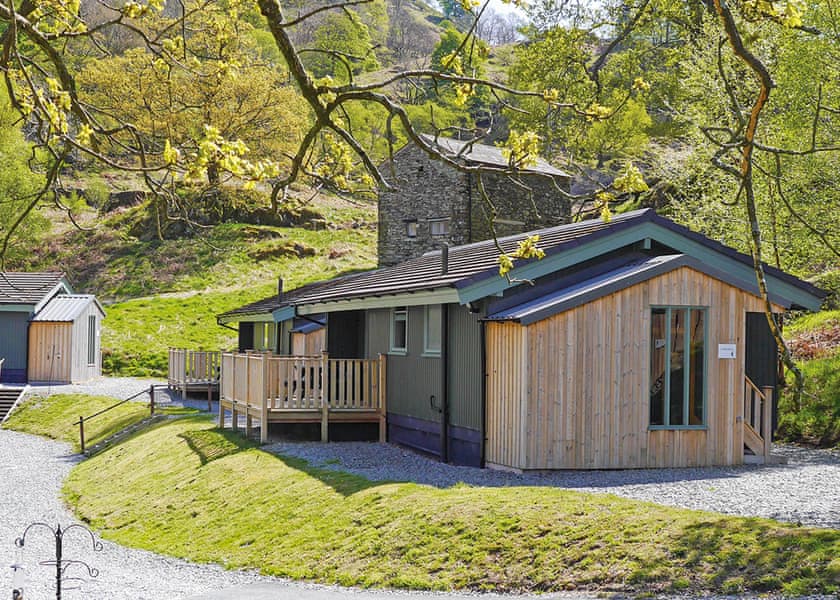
[64, 340]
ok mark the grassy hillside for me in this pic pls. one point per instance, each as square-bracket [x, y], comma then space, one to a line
[187, 489]
[162, 293]
[815, 342]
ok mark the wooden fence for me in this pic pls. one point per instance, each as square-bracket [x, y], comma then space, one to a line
[302, 389]
[758, 418]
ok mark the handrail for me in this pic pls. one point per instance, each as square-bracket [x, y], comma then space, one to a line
[759, 418]
[82, 420]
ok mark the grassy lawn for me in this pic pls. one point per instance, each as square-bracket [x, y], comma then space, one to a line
[187, 489]
[56, 417]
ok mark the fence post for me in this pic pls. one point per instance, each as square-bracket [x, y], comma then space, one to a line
[264, 402]
[82, 433]
[152, 400]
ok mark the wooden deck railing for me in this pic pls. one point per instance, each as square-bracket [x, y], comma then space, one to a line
[302, 389]
[758, 418]
[193, 366]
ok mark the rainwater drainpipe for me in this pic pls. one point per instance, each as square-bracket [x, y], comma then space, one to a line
[444, 358]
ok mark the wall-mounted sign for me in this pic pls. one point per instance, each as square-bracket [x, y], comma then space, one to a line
[726, 350]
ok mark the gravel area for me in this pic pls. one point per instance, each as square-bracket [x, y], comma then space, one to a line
[806, 490]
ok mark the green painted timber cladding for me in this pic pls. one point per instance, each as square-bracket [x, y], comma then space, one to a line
[412, 378]
[13, 336]
[465, 368]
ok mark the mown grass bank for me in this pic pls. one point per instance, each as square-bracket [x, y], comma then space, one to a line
[187, 489]
[56, 417]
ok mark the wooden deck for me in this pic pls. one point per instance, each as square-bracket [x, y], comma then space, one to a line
[300, 389]
[194, 370]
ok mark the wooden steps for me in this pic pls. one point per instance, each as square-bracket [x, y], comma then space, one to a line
[8, 398]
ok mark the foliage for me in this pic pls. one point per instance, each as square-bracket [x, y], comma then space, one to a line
[18, 184]
[814, 340]
[343, 47]
[187, 489]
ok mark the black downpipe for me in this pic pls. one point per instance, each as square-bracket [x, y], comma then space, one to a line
[444, 403]
[469, 208]
[483, 367]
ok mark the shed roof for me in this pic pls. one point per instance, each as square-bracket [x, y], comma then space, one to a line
[66, 308]
[29, 288]
[486, 154]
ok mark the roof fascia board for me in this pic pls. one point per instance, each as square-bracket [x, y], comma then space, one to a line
[284, 313]
[440, 296]
[261, 318]
[27, 308]
[553, 263]
[780, 292]
[61, 286]
[636, 279]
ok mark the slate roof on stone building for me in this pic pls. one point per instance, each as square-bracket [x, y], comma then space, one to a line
[27, 288]
[487, 155]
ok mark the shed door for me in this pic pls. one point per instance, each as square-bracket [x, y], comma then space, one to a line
[761, 362]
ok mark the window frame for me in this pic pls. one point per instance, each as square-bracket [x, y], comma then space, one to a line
[91, 356]
[427, 350]
[411, 228]
[398, 314]
[666, 388]
[444, 221]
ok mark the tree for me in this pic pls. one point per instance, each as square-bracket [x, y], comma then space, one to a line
[745, 35]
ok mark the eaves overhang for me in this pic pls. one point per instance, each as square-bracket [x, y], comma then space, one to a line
[444, 295]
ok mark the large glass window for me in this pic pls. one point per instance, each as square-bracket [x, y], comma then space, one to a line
[431, 337]
[399, 330]
[677, 367]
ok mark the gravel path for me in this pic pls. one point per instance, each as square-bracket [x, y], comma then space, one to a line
[806, 490]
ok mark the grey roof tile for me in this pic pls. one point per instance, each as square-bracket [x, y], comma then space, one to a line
[27, 288]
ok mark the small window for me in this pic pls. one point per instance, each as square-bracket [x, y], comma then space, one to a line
[411, 229]
[91, 340]
[439, 227]
[431, 337]
[677, 367]
[264, 334]
[399, 330]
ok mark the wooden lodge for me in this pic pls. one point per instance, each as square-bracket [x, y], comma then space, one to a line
[634, 343]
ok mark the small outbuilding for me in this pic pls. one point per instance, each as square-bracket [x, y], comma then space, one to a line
[64, 340]
[47, 333]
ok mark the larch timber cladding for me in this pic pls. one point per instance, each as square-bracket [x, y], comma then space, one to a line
[570, 391]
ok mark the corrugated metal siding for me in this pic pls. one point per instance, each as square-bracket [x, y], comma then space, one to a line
[82, 370]
[413, 378]
[378, 332]
[64, 308]
[51, 352]
[13, 326]
[465, 368]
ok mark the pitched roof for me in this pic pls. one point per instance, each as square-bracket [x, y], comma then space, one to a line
[595, 283]
[487, 155]
[473, 265]
[66, 308]
[28, 288]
